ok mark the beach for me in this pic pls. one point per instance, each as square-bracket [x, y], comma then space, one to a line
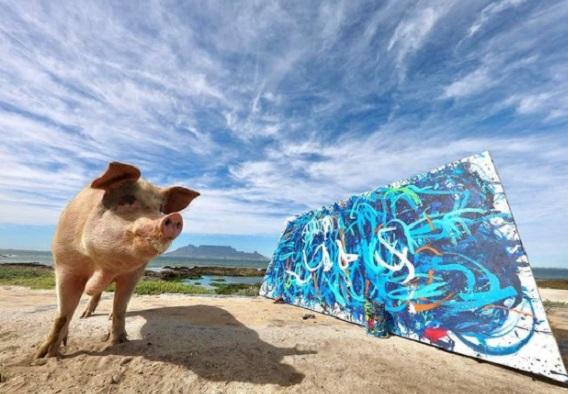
[189, 343]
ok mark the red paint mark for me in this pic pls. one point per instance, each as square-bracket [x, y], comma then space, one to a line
[435, 334]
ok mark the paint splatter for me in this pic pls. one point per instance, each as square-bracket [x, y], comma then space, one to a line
[435, 334]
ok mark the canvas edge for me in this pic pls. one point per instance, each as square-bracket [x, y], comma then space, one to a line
[562, 375]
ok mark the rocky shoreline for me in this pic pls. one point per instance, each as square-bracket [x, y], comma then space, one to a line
[171, 273]
[178, 272]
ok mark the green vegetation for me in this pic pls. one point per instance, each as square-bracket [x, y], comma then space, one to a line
[561, 284]
[159, 286]
[43, 278]
[32, 277]
[236, 289]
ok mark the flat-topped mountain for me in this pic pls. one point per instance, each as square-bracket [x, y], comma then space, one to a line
[215, 252]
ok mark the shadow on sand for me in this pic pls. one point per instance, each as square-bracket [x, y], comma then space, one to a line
[210, 342]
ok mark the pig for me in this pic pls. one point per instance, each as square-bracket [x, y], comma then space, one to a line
[108, 233]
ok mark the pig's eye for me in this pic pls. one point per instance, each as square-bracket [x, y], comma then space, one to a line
[127, 199]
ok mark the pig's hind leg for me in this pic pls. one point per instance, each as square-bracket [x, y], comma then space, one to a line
[69, 290]
[91, 306]
[125, 285]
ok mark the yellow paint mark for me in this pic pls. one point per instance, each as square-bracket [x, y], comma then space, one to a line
[430, 223]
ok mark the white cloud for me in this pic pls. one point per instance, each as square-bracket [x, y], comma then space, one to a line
[549, 100]
[474, 82]
[411, 33]
[533, 103]
[331, 17]
[491, 10]
[552, 103]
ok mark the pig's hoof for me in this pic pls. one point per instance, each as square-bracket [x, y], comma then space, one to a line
[117, 339]
[42, 352]
[47, 350]
[86, 313]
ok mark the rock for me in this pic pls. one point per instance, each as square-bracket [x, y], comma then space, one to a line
[151, 274]
[309, 316]
[169, 275]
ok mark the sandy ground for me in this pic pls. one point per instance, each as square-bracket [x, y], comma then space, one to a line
[554, 295]
[182, 343]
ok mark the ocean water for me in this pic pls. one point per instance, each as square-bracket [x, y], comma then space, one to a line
[27, 256]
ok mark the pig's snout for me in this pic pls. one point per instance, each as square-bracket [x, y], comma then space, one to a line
[171, 226]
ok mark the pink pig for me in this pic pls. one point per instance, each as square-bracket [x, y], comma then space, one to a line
[108, 233]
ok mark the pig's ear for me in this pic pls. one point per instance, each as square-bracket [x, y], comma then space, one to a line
[177, 198]
[115, 173]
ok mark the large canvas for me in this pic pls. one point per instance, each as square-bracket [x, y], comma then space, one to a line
[441, 252]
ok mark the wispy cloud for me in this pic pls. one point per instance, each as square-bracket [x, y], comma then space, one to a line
[550, 101]
[472, 83]
[492, 9]
[411, 32]
[272, 108]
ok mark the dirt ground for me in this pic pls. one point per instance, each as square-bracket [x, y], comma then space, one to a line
[181, 343]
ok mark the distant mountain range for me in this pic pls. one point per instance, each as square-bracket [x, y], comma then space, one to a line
[216, 253]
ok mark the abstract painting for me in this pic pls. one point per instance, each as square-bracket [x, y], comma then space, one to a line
[440, 251]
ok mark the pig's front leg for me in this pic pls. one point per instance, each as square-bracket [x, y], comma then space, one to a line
[125, 285]
[69, 290]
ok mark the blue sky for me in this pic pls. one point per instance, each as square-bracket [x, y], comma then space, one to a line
[273, 108]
